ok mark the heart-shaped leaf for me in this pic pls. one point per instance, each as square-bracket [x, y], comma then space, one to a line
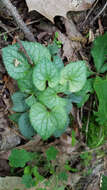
[43, 72]
[45, 121]
[25, 126]
[73, 76]
[16, 64]
[50, 98]
[42, 120]
[15, 60]
[19, 104]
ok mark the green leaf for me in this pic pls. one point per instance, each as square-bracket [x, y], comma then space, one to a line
[62, 89]
[14, 117]
[74, 169]
[95, 135]
[99, 53]
[74, 141]
[59, 132]
[30, 100]
[100, 86]
[67, 167]
[63, 176]
[28, 181]
[19, 104]
[26, 84]
[19, 158]
[50, 98]
[42, 120]
[51, 153]
[74, 98]
[73, 76]
[84, 93]
[84, 155]
[45, 121]
[25, 126]
[36, 51]
[43, 72]
[16, 64]
[104, 68]
[61, 116]
[27, 170]
[53, 48]
[35, 172]
[15, 60]
[58, 62]
[104, 183]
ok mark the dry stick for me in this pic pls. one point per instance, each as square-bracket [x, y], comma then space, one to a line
[17, 28]
[24, 51]
[90, 12]
[99, 13]
[18, 19]
[5, 28]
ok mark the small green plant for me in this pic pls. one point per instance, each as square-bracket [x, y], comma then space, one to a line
[58, 43]
[86, 157]
[43, 103]
[36, 168]
[103, 183]
[47, 89]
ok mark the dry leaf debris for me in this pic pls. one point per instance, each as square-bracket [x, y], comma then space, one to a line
[50, 9]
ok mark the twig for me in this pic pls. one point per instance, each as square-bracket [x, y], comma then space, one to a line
[95, 149]
[17, 28]
[78, 120]
[18, 19]
[101, 29]
[18, 134]
[5, 28]
[99, 13]
[90, 12]
[24, 50]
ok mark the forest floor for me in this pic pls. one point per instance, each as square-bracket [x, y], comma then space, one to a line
[86, 169]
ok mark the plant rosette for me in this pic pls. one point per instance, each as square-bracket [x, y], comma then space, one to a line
[43, 102]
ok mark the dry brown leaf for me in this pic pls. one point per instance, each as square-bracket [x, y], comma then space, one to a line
[52, 8]
[70, 48]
